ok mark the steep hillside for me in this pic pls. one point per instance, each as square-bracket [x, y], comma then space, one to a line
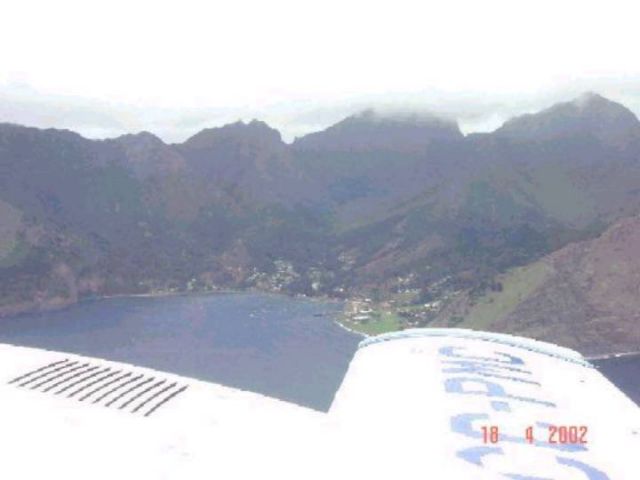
[584, 295]
[590, 114]
[391, 207]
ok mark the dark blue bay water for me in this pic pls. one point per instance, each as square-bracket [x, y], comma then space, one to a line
[624, 372]
[269, 344]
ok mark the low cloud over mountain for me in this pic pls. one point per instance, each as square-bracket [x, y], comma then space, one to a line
[377, 205]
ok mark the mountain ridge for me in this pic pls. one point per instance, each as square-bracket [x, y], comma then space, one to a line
[418, 214]
[368, 131]
[407, 118]
[590, 113]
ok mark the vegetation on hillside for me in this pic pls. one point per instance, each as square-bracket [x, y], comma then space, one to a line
[407, 212]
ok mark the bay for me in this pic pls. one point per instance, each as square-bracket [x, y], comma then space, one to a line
[283, 347]
[624, 372]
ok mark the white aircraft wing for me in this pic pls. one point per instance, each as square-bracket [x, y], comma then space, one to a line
[418, 404]
[461, 404]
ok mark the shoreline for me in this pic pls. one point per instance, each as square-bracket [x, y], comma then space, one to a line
[609, 356]
[350, 330]
[589, 358]
[57, 304]
[226, 291]
[155, 295]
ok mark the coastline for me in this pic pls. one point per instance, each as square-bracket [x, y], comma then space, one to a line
[60, 303]
[350, 330]
[609, 356]
[590, 358]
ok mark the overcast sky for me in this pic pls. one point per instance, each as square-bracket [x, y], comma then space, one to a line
[174, 67]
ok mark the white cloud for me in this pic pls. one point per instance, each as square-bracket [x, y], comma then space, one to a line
[149, 64]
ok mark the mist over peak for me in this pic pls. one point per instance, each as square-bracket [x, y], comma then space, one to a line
[371, 129]
[589, 99]
[589, 114]
[382, 200]
[391, 115]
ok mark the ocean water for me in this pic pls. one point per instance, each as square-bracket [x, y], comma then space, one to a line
[275, 345]
[624, 372]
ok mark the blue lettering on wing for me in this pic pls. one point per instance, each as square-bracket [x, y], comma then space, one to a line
[516, 476]
[499, 367]
[475, 454]
[499, 406]
[491, 389]
[463, 424]
[506, 357]
[487, 370]
[482, 364]
[590, 472]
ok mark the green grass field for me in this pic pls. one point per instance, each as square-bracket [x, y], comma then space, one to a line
[517, 284]
[380, 322]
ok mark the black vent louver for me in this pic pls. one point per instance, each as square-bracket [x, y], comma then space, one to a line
[99, 384]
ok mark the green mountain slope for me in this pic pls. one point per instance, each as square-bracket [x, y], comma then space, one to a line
[393, 208]
[584, 295]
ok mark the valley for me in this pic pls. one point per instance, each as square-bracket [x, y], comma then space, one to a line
[435, 228]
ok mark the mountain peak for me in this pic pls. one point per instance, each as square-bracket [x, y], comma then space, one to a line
[241, 153]
[371, 130]
[140, 138]
[255, 132]
[589, 114]
[147, 154]
[590, 99]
